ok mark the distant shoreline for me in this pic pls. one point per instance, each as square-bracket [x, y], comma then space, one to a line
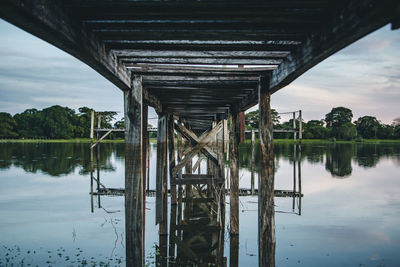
[154, 140]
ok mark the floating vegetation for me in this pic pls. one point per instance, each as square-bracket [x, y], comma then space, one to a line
[15, 256]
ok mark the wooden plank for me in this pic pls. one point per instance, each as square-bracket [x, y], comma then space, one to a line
[200, 54]
[48, 20]
[171, 149]
[204, 61]
[266, 207]
[197, 148]
[234, 172]
[134, 206]
[196, 181]
[161, 172]
[351, 22]
[192, 137]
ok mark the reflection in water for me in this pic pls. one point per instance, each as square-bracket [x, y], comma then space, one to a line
[196, 235]
[56, 159]
[187, 242]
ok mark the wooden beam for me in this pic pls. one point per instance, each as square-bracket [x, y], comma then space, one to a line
[161, 175]
[266, 208]
[194, 140]
[352, 21]
[47, 20]
[171, 150]
[134, 53]
[234, 182]
[195, 61]
[197, 148]
[134, 205]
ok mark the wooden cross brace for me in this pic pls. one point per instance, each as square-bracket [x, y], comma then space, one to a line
[199, 144]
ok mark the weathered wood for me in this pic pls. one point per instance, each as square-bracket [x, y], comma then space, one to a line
[234, 171]
[134, 206]
[300, 126]
[203, 61]
[234, 251]
[48, 20]
[252, 160]
[200, 54]
[242, 126]
[266, 209]
[197, 148]
[145, 150]
[161, 175]
[171, 149]
[349, 23]
[194, 140]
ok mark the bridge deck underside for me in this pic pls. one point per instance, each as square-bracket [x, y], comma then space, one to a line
[200, 59]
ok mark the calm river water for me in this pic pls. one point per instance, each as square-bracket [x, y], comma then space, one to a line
[349, 214]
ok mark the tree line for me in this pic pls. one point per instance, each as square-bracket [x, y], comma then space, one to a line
[55, 122]
[337, 124]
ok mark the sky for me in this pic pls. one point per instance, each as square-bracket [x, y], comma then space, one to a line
[364, 77]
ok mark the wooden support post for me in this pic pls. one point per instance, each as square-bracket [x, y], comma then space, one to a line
[98, 173]
[234, 251]
[299, 175]
[266, 210]
[134, 205]
[234, 189]
[171, 149]
[161, 176]
[252, 160]
[242, 126]
[91, 160]
[300, 127]
[294, 177]
[91, 127]
[294, 127]
[145, 141]
[226, 138]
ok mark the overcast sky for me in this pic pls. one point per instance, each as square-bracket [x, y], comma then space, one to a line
[364, 77]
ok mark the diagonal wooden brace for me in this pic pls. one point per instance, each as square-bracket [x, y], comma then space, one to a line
[192, 137]
[200, 144]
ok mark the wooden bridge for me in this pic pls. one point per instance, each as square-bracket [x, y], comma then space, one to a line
[198, 63]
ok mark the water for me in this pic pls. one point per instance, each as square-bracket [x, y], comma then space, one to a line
[349, 212]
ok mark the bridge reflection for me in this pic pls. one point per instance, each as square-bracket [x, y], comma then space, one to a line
[197, 222]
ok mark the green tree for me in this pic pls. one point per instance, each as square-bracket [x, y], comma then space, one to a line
[29, 124]
[58, 122]
[314, 129]
[252, 119]
[338, 117]
[7, 126]
[339, 121]
[367, 126]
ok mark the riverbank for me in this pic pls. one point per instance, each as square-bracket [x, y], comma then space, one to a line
[154, 140]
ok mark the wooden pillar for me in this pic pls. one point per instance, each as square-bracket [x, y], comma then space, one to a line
[299, 175]
[98, 160]
[266, 223]
[91, 160]
[234, 184]
[171, 149]
[161, 176]
[234, 251]
[145, 142]
[133, 174]
[294, 177]
[294, 127]
[252, 160]
[242, 126]
[300, 127]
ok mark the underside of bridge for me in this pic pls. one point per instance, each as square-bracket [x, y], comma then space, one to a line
[198, 63]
